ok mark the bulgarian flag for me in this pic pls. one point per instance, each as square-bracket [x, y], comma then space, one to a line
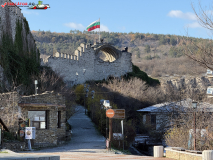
[94, 25]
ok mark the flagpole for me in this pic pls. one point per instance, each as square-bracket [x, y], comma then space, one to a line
[99, 31]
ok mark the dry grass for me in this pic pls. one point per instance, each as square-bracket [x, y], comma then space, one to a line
[170, 66]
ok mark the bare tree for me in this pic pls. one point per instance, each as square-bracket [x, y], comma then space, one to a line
[201, 53]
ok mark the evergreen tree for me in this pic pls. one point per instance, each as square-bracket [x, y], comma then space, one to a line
[147, 48]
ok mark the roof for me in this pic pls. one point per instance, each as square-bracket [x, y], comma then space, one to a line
[183, 105]
[39, 105]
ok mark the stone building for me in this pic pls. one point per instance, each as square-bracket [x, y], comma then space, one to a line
[46, 111]
[90, 62]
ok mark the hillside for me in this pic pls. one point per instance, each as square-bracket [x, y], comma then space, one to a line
[158, 55]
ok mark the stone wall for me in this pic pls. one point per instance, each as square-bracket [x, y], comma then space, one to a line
[48, 97]
[86, 57]
[182, 155]
[16, 106]
[14, 146]
[9, 110]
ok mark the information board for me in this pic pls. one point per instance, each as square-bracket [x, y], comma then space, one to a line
[119, 114]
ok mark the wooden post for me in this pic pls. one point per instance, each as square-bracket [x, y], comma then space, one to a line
[194, 131]
[110, 132]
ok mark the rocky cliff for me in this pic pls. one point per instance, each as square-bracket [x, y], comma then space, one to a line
[16, 40]
[186, 82]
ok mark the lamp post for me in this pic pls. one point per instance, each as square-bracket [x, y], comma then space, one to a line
[86, 90]
[84, 71]
[194, 105]
[76, 77]
[36, 82]
[93, 95]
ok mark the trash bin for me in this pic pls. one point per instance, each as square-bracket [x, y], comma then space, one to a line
[158, 151]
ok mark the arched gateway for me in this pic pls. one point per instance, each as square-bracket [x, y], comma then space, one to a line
[100, 61]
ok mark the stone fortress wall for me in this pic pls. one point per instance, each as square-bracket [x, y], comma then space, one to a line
[116, 63]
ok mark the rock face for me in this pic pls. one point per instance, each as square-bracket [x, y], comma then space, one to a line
[115, 63]
[8, 18]
[196, 83]
[1, 73]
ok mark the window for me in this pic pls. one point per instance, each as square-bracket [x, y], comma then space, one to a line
[59, 119]
[38, 119]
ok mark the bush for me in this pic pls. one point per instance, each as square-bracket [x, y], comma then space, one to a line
[148, 57]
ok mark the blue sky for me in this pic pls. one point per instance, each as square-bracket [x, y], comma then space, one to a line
[143, 16]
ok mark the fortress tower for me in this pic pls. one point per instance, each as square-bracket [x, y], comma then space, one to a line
[100, 60]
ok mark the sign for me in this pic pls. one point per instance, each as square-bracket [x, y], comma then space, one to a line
[29, 132]
[21, 133]
[119, 114]
[117, 136]
[110, 113]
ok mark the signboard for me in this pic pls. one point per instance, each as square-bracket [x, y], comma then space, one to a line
[29, 132]
[110, 113]
[21, 133]
[210, 90]
[117, 136]
[119, 114]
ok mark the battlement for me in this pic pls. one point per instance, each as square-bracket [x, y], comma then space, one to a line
[79, 52]
[65, 56]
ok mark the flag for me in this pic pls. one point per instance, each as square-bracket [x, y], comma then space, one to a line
[94, 25]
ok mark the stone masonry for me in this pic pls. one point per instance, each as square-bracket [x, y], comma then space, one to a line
[14, 106]
[116, 63]
[51, 102]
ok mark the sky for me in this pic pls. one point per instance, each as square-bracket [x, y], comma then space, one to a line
[175, 17]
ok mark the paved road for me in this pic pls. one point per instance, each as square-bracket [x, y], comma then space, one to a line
[86, 142]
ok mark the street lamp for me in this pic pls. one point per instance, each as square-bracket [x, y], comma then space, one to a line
[93, 95]
[36, 82]
[76, 77]
[84, 71]
[86, 90]
[194, 105]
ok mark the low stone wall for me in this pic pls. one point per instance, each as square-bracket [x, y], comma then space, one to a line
[42, 145]
[14, 146]
[182, 155]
